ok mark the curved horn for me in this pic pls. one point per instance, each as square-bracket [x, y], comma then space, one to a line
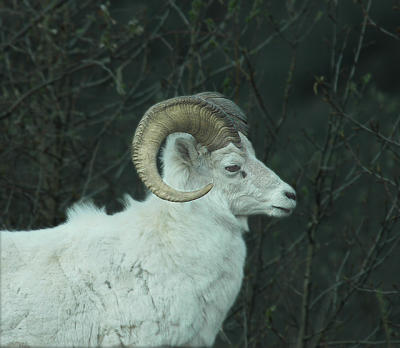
[231, 110]
[206, 121]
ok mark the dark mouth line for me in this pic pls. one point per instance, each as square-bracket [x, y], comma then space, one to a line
[283, 209]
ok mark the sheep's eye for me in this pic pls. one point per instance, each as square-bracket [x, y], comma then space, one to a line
[233, 168]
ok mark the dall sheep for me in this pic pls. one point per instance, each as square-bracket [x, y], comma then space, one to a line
[164, 271]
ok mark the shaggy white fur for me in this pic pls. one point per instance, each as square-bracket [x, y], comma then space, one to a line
[157, 273]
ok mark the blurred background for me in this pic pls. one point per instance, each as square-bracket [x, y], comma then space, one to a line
[319, 82]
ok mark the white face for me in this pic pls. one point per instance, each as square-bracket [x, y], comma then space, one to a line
[239, 178]
[248, 185]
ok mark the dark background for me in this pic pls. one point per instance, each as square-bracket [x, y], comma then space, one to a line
[319, 81]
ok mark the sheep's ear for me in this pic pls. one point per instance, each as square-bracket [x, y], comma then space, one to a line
[186, 150]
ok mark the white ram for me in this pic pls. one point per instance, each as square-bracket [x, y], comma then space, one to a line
[164, 271]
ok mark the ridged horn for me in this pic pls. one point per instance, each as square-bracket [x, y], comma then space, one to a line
[205, 116]
[233, 112]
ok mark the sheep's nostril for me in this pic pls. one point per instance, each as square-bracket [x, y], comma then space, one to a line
[290, 195]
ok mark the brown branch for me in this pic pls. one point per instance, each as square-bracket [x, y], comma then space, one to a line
[24, 30]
